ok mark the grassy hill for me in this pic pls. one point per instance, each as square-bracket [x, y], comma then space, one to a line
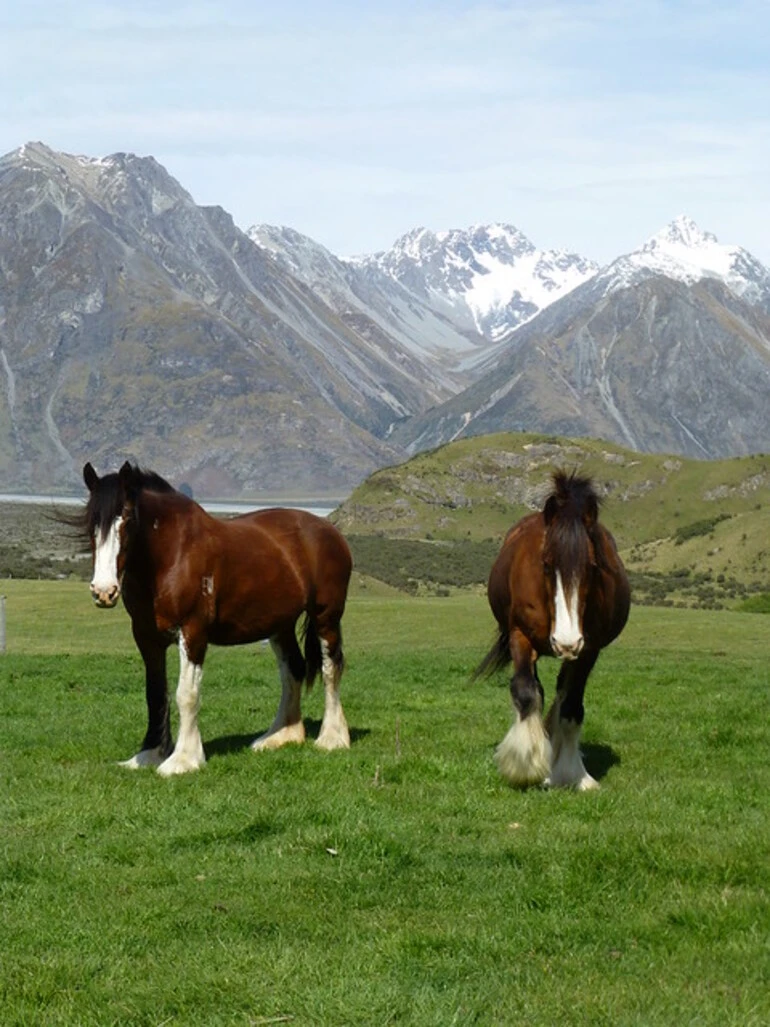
[691, 532]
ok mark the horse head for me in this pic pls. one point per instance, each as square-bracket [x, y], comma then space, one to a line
[108, 518]
[569, 560]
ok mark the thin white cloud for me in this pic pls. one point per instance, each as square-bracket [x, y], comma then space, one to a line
[357, 121]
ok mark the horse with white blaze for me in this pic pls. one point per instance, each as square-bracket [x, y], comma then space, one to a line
[194, 579]
[557, 588]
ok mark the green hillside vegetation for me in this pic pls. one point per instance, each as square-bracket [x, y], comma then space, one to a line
[692, 533]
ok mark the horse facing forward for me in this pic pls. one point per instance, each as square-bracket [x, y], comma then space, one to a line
[558, 588]
[188, 576]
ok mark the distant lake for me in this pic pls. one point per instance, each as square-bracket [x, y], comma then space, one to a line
[220, 506]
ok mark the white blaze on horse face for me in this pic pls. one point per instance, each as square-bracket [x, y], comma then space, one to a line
[566, 636]
[105, 584]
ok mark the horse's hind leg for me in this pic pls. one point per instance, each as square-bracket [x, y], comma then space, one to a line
[564, 724]
[287, 726]
[524, 755]
[334, 732]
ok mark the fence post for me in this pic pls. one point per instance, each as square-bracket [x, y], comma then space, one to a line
[2, 624]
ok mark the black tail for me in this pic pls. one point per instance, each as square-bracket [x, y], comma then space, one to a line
[497, 658]
[312, 645]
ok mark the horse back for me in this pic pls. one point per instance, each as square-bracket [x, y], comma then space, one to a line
[292, 556]
[244, 577]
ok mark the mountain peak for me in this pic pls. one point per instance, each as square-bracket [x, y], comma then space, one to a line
[682, 231]
[489, 275]
[685, 253]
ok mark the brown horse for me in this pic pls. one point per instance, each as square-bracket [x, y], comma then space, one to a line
[558, 588]
[190, 577]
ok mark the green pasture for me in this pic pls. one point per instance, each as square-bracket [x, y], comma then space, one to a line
[401, 882]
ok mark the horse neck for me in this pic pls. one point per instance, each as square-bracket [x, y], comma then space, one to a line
[154, 514]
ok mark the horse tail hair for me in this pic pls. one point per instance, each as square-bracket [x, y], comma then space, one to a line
[497, 658]
[312, 646]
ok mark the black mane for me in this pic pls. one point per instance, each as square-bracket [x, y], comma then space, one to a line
[106, 502]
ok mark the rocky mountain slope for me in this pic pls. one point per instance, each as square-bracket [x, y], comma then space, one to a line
[665, 350]
[134, 323]
[369, 300]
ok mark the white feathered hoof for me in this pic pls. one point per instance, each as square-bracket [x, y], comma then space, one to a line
[524, 755]
[145, 758]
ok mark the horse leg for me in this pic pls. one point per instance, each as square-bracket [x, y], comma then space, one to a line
[564, 724]
[188, 753]
[157, 740]
[287, 726]
[334, 732]
[524, 755]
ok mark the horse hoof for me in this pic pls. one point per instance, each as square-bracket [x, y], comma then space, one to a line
[292, 734]
[587, 784]
[583, 784]
[330, 740]
[145, 758]
[183, 765]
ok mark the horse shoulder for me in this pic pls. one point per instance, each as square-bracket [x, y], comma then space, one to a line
[516, 588]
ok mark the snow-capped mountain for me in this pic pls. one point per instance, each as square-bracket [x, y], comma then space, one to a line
[683, 252]
[135, 323]
[667, 349]
[371, 297]
[488, 277]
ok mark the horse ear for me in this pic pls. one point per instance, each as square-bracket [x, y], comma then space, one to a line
[127, 479]
[90, 477]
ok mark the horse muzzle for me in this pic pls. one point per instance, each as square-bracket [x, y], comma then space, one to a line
[105, 598]
[567, 650]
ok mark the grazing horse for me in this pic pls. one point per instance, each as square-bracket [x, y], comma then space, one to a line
[558, 588]
[190, 577]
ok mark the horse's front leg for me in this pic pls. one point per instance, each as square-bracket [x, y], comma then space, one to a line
[188, 753]
[157, 740]
[524, 755]
[564, 724]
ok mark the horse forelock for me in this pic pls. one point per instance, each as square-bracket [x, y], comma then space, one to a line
[570, 513]
[567, 548]
[104, 504]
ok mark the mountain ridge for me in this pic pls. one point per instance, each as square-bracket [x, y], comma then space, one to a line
[134, 323]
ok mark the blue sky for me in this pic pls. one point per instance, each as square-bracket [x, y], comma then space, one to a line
[587, 125]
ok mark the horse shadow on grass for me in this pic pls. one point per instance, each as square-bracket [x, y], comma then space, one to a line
[226, 744]
[599, 759]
